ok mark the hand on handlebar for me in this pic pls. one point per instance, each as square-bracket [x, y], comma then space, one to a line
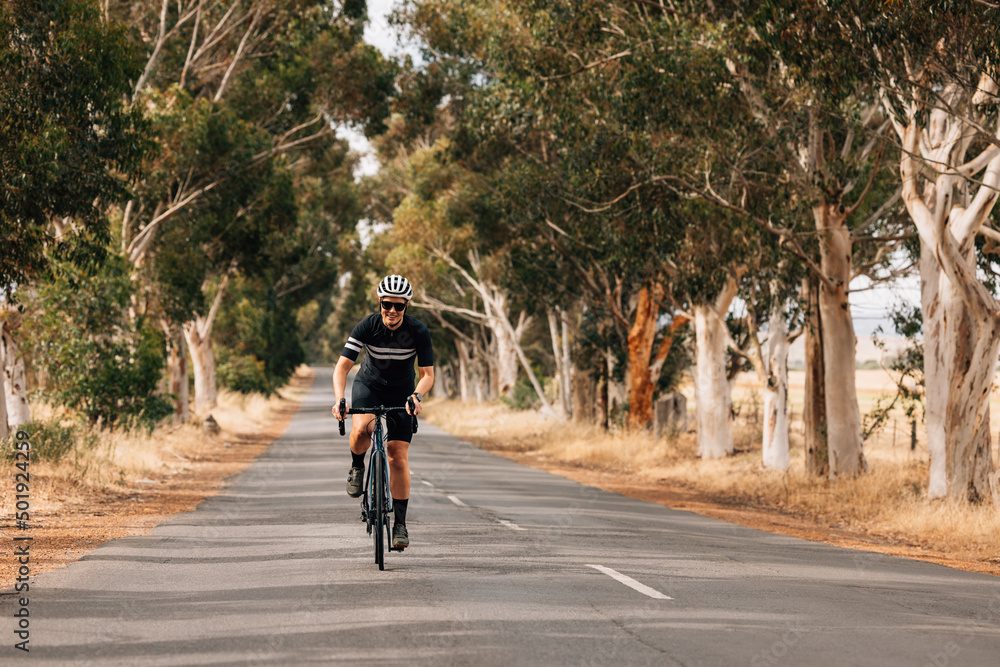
[340, 412]
[413, 406]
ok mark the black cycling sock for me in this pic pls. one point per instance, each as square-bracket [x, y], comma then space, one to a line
[357, 460]
[399, 510]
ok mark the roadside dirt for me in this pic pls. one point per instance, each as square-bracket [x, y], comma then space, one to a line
[62, 532]
[772, 520]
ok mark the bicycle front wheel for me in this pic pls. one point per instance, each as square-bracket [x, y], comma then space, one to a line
[378, 480]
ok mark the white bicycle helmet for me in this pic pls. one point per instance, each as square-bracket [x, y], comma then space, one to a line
[395, 286]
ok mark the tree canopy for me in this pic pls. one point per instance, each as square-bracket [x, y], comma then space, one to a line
[70, 144]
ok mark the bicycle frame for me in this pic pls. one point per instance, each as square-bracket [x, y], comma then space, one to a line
[377, 449]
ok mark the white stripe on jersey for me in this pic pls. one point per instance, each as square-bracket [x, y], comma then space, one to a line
[391, 357]
[392, 350]
[352, 346]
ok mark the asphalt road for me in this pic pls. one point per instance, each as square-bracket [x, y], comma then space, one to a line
[507, 565]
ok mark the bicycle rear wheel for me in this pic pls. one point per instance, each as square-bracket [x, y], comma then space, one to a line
[378, 479]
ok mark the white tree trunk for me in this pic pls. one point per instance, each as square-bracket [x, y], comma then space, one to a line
[15, 383]
[463, 369]
[198, 333]
[948, 344]
[775, 444]
[506, 337]
[711, 386]
[961, 318]
[972, 334]
[843, 416]
[443, 381]
[4, 425]
[177, 373]
[569, 370]
[473, 376]
[559, 333]
[504, 360]
[969, 462]
[713, 398]
[936, 366]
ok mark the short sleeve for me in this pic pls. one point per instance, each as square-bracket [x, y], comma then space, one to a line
[352, 348]
[425, 352]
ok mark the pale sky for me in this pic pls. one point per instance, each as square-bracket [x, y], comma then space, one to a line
[379, 34]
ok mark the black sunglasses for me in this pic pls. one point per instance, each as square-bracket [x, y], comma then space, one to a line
[390, 305]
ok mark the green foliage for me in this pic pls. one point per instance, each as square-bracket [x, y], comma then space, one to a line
[522, 396]
[52, 440]
[69, 143]
[337, 314]
[258, 340]
[678, 360]
[96, 359]
[242, 373]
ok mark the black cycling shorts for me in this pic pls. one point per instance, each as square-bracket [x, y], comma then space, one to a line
[399, 425]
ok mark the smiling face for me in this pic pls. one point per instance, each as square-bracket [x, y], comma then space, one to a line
[391, 317]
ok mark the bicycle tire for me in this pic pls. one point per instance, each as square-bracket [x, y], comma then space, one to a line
[378, 479]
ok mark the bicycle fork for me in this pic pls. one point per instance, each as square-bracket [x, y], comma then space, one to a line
[368, 497]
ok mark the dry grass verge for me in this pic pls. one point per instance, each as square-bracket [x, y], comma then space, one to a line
[884, 510]
[114, 484]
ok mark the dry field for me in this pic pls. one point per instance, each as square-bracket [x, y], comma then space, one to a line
[872, 386]
[885, 509]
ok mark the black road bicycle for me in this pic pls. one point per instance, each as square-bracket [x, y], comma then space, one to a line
[376, 500]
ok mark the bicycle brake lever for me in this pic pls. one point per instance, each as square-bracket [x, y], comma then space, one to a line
[343, 408]
[413, 417]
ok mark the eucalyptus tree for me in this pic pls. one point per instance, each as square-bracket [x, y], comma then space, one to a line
[774, 320]
[794, 147]
[243, 95]
[96, 359]
[934, 65]
[69, 144]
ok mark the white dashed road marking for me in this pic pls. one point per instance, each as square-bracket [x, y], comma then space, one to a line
[509, 524]
[456, 500]
[631, 583]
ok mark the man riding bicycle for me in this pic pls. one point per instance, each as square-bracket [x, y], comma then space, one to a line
[392, 340]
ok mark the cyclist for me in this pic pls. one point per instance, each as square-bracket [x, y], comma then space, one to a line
[392, 340]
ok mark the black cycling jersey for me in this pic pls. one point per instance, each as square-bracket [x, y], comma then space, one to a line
[390, 352]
